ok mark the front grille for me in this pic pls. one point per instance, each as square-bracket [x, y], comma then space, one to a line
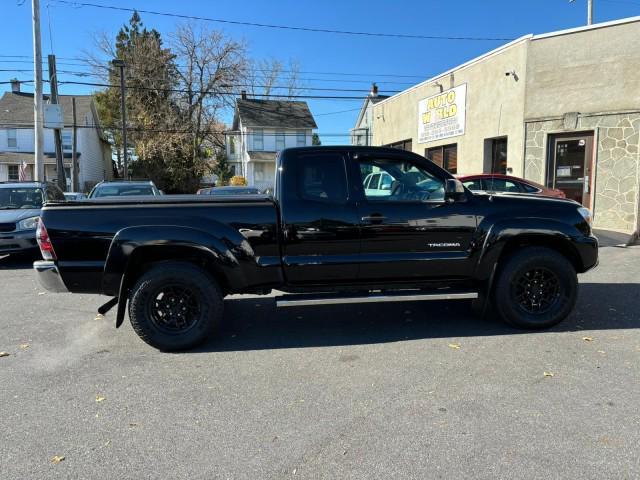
[7, 227]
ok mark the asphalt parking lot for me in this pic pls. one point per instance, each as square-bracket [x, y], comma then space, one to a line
[418, 391]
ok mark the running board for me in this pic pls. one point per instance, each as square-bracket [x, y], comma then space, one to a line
[295, 300]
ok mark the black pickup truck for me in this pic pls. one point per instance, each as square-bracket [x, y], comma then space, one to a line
[334, 231]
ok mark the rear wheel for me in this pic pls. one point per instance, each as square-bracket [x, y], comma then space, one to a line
[536, 288]
[175, 306]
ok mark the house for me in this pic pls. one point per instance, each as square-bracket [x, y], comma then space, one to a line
[262, 128]
[17, 140]
[362, 133]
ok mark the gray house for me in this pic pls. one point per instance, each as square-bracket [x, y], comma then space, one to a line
[17, 140]
[261, 128]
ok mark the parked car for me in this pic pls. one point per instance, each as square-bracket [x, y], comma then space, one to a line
[124, 188]
[73, 196]
[20, 205]
[231, 190]
[322, 240]
[494, 182]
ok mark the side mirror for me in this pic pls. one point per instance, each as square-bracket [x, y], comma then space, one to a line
[454, 190]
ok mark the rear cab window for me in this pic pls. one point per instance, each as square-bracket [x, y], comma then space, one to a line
[322, 178]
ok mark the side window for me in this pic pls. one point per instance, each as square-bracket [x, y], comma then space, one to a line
[501, 185]
[400, 180]
[323, 178]
[473, 184]
[529, 188]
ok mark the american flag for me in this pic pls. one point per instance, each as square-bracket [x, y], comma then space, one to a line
[22, 172]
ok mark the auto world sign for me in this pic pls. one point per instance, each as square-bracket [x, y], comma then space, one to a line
[442, 115]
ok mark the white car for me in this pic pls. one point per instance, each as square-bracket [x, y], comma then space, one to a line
[378, 184]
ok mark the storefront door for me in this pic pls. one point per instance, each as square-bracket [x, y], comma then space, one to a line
[570, 165]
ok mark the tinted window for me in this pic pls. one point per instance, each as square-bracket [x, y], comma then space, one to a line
[473, 184]
[402, 181]
[18, 197]
[122, 190]
[529, 188]
[501, 185]
[323, 178]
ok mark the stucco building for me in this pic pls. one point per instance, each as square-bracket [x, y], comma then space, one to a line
[562, 109]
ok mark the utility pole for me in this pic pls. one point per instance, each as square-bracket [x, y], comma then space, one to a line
[38, 108]
[123, 109]
[74, 143]
[57, 133]
[589, 11]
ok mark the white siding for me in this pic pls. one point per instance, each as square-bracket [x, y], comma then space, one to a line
[92, 159]
[270, 138]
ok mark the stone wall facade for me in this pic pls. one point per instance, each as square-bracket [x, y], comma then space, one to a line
[617, 163]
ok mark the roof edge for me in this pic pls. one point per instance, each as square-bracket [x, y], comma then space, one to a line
[586, 28]
[462, 66]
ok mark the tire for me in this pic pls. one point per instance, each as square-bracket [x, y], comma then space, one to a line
[175, 306]
[537, 288]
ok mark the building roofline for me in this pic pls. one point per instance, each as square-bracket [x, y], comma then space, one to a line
[524, 38]
[473, 61]
[587, 28]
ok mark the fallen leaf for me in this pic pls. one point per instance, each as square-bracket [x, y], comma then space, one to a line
[57, 459]
[587, 339]
[455, 346]
[100, 399]
[548, 374]
[4, 354]
[24, 346]
[99, 317]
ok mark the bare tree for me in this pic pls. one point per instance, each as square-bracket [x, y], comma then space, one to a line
[210, 68]
[272, 77]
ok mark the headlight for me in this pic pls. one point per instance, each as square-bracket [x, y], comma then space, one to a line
[586, 214]
[28, 223]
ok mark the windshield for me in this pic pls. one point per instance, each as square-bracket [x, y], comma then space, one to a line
[122, 190]
[20, 197]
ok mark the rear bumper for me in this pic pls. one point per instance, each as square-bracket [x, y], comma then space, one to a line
[49, 276]
[15, 242]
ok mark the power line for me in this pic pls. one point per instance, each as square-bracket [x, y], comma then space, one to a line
[80, 62]
[207, 92]
[281, 27]
[19, 124]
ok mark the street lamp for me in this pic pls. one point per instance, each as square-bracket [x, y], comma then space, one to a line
[119, 63]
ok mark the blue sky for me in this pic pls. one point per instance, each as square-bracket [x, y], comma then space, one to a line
[369, 59]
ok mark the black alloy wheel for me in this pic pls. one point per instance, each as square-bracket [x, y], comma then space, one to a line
[175, 306]
[535, 288]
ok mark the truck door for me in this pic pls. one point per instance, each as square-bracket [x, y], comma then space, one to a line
[320, 219]
[408, 230]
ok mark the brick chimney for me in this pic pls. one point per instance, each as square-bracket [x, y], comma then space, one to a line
[374, 90]
[15, 85]
[243, 94]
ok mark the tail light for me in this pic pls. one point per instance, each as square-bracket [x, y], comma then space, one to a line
[46, 247]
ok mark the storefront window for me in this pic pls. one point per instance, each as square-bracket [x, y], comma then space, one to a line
[403, 145]
[445, 156]
[498, 154]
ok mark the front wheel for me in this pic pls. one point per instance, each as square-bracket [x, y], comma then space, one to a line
[175, 306]
[537, 288]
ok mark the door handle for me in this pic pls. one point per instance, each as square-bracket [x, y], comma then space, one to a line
[374, 218]
[586, 184]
